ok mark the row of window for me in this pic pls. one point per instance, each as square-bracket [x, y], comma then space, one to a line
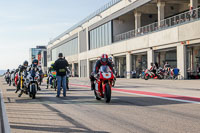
[100, 36]
[68, 49]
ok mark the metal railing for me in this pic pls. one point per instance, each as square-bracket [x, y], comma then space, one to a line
[102, 9]
[188, 16]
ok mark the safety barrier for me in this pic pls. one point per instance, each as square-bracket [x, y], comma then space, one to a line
[4, 124]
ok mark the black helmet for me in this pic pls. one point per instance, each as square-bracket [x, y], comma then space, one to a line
[60, 55]
[35, 62]
[8, 70]
[25, 63]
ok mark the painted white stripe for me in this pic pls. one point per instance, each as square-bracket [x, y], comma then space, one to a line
[172, 99]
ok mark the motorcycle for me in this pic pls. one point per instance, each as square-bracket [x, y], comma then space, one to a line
[7, 77]
[67, 78]
[149, 74]
[160, 72]
[12, 81]
[52, 78]
[21, 83]
[32, 83]
[103, 84]
[16, 78]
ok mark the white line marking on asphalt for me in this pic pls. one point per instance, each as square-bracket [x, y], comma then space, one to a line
[172, 99]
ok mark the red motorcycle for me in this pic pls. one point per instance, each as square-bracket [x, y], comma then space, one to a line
[103, 84]
[16, 78]
[149, 75]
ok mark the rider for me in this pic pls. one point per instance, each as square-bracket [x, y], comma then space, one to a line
[7, 76]
[102, 61]
[51, 69]
[22, 68]
[38, 69]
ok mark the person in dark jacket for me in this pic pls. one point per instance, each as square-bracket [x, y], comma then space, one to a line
[61, 67]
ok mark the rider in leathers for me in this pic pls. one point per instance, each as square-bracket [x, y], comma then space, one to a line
[22, 68]
[49, 79]
[99, 63]
[38, 69]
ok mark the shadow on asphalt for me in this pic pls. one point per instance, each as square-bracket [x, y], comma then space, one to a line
[90, 100]
[77, 126]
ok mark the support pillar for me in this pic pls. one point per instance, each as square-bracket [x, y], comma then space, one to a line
[128, 65]
[120, 71]
[88, 68]
[181, 60]
[73, 70]
[79, 68]
[137, 19]
[150, 58]
[161, 12]
[193, 4]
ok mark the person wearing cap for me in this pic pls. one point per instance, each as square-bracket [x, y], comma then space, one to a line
[60, 66]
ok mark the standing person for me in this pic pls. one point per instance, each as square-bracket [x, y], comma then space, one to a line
[61, 67]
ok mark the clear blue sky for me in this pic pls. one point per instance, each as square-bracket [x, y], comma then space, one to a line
[27, 23]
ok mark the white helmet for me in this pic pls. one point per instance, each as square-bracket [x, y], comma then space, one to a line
[110, 59]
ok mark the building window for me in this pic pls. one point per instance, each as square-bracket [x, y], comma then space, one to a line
[69, 48]
[101, 36]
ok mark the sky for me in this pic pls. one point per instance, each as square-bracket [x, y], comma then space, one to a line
[26, 24]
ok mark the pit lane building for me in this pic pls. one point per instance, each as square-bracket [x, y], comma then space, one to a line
[135, 33]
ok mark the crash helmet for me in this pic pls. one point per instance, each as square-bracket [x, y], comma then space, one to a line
[110, 59]
[25, 63]
[52, 65]
[35, 62]
[104, 59]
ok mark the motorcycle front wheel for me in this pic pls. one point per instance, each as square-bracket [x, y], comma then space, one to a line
[146, 77]
[107, 94]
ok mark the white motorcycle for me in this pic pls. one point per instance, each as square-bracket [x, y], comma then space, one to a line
[32, 82]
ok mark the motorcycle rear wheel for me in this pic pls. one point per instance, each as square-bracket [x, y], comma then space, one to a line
[95, 94]
[113, 83]
[54, 84]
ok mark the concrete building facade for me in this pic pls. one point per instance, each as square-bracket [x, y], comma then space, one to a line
[135, 33]
[39, 53]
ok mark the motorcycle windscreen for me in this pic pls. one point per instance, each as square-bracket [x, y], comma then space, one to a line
[105, 69]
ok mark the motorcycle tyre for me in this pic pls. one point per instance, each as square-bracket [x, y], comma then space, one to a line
[54, 84]
[33, 93]
[95, 94]
[146, 77]
[107, 95]
[113, 84]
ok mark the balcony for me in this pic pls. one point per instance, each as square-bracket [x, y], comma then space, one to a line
[179, 19]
